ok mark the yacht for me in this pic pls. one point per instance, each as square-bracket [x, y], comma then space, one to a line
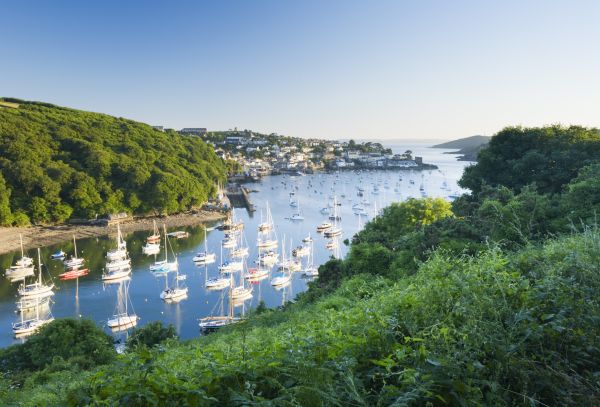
[23, 267]
[36, 298]
[175, 293]
[205, 257]
[213, 323]
[74, 261]
[217, 283]
[257, 274]
[165, 266]
[122, 319]
[37, 289]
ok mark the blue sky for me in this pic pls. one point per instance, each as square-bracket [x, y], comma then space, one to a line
[331, 69]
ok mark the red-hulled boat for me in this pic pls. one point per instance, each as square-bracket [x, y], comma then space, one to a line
[72, 274]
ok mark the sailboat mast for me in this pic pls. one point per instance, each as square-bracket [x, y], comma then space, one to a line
[75, 244]
[166, 242]
[40, 266]
[205, 242]
[126, 289]
[231, 296]
[21, 239]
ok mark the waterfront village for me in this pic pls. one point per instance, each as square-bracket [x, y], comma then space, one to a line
[264, 154]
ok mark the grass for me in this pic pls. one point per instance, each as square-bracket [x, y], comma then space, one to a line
[9, 104]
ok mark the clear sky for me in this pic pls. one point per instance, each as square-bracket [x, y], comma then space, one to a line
[322, 68]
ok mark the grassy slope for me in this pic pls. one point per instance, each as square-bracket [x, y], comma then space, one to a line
[493, 330]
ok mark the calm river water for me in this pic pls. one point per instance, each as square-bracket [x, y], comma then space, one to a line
[97, 301]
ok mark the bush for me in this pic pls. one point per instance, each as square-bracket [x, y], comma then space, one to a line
[150, 335]
[78, 343]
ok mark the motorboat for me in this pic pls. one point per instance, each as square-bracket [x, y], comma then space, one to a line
[59, 255]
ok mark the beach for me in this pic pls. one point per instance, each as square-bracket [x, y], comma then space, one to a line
[40, 236]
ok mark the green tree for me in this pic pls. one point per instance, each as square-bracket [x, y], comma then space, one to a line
[547, 156]
[151, 335]
[5, 212]
[59, 162]
[581, 200]
[528, 216]
[80, 342]
[402, 218]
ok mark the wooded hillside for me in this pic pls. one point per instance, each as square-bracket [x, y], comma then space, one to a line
[57, 163]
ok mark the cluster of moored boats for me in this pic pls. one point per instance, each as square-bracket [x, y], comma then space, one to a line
[35, 295]
[235, 274]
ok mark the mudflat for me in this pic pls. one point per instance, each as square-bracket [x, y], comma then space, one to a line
[39, 236]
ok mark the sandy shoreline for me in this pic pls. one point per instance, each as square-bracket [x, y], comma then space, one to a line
[40, 236]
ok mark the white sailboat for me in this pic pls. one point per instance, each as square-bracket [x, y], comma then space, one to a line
[267, 258]
[265, 226]
[323, 227]
[301, 251]
[289, 263]
[281, 280]
[24, 261]
[231, 266]
[335, 216]
[37, 289]
[298, 214]
[311, 270]
[165, 266]
[205, 257]
[74, 261]
[121, 319]
[26, 327]
[155, 236]
[286, 273]
[257, 274]
[216, 283]
[22, 268]
[213, 323]
[175, 293]
[240, 292]
[152, 242]
[334, 230]
[266, 234]
[240, 250]
[231, 225]
[119, 264]
[121, 251]
[230, 240]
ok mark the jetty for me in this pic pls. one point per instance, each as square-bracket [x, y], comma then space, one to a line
[238, 197]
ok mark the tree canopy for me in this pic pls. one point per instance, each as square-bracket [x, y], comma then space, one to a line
[57, 163]
[547, 156]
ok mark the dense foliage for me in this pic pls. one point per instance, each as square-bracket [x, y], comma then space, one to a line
[491, 301]
[66, 343]
[57, 163]
[547, 156]
[151, 335]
